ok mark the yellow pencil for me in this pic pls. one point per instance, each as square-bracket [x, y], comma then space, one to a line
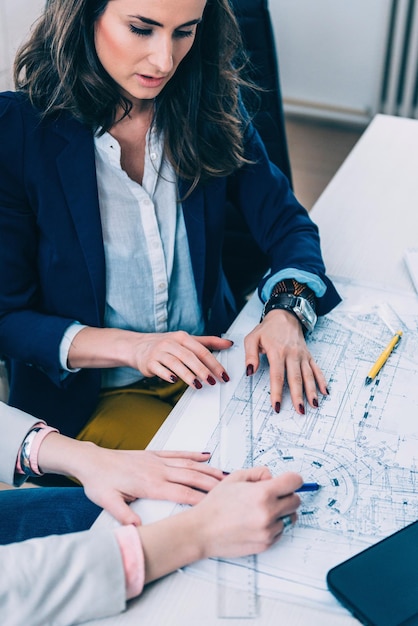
[383, 357]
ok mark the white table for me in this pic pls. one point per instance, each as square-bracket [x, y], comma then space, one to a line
[367, 216]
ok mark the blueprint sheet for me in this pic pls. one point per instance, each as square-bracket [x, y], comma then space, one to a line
[361, 444]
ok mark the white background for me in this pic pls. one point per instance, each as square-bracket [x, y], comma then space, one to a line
[331, 54]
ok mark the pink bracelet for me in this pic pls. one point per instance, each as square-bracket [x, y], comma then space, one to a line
[33, 457]
[42, 431]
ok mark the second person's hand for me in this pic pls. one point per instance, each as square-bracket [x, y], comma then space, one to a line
[180, 355]
[280, 337]
[170, 356]
[244, 514]
[114, 478]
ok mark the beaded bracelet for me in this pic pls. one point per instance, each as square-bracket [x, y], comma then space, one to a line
[290, 285]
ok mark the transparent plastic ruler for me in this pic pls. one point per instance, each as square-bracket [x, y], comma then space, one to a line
[236, 578]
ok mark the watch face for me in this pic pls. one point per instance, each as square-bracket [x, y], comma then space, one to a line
[305, 313]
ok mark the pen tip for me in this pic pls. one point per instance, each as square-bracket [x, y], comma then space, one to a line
[368, 380]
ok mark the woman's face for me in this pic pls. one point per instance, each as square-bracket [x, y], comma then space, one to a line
[141, 43]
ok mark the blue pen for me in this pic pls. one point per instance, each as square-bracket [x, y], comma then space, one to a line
[308, 487]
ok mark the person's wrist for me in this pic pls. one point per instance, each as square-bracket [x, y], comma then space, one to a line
[198, 530]
[285, 315]
[296, 298]
[125, 347]
[59, 454]
[83, 460]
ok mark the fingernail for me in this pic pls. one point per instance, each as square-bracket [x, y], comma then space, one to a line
[211, 380]
[277, 407]
[173, 378]
[225, 377]
[301, 409]
[226, 473]
[206, 452]
[315, 403]
[250, 369]
[327, 390]
[197, 384]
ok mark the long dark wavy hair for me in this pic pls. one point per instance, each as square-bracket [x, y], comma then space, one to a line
[198, 111]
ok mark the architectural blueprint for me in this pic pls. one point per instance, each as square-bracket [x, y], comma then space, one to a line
[361, 444]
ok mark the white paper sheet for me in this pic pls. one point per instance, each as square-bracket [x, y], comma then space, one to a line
[411, 261]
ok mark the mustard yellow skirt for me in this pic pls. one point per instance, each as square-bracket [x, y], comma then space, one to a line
[127, 418]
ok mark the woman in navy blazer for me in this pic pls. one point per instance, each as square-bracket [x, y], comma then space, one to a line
[52, 254]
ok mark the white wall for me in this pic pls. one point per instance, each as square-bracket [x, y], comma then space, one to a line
[16, 17]
[331, 55]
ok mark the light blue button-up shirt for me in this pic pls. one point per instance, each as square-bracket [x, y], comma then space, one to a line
[149, 278]
[148, 265]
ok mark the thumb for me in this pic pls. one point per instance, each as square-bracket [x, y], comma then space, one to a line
[214, 343]
[122, 512]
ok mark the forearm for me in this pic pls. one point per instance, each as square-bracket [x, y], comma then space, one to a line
[172, 543]
[242, 515]
[102, 348]
[59, 454]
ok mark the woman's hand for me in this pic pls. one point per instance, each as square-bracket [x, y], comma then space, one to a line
[116, 477]
[242, 515]
[280, 337]
[170, 356]
[181, 355]
[113, 478]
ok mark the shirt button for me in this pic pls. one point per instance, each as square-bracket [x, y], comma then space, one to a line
[163, 318]
[162, 286]
[153, 156]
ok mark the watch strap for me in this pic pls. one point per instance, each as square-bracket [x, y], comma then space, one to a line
[292, 286]
[287, 295]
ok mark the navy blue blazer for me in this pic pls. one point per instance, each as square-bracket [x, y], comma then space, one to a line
[52, 265]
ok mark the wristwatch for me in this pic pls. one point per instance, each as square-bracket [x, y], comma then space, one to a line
[300, 307]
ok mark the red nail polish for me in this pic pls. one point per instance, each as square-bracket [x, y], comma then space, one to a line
[315, 402]
[277, 407]
[211, 380]
[225, 377]
[301, 409]
[250, 369]
[173, 378]
[197, 384]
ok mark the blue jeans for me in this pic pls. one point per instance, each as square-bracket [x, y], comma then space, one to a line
[37, 512]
